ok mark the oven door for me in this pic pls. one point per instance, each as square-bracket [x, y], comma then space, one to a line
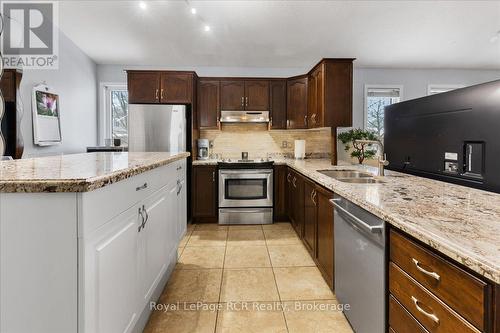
[246, 188]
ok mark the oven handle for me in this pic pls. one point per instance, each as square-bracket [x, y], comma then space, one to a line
[246, 211]
[245, 172]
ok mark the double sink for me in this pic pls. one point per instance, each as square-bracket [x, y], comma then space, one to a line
[351, 176]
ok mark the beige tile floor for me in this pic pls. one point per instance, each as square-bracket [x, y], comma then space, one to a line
[240, 279]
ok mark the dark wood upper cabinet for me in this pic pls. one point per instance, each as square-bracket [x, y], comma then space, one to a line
[143, 87]
[297, 102]
[316, 100]
[257, 95]
[204, 193]
[310, 217]
[330, 94]
[208, 104]
[325, 248]
[232, 95]
[238, 95]
[148, 87]
[176, 88]
[277, 104]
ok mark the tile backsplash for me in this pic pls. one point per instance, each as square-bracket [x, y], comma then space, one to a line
[258, 141]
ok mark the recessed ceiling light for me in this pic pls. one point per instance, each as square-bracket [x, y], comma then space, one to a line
[206, 28]
[193, 11]
[143, 5]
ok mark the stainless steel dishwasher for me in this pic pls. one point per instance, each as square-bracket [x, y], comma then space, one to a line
[360, 260]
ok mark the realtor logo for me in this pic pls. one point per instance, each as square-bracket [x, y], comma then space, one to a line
[30, 36]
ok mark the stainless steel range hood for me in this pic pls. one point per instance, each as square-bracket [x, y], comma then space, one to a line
[244, 116]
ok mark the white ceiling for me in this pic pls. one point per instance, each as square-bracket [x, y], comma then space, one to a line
[409, 34]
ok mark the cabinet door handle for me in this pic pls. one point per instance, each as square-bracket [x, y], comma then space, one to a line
[242, 101]
[288, 177]
[161, 93]
[141, 226]
[146, 218]
[313, 196]
[432, 316]
[293, 182]
[426, 272]
[179, 187]
[313, 118]
[142, 187]
[213, 176]
[305, 120]
[246, 101]
[156, 94]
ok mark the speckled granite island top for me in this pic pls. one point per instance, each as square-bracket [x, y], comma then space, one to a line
[460, 222]
[78, 172]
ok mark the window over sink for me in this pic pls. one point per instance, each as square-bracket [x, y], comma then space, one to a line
[377, 97]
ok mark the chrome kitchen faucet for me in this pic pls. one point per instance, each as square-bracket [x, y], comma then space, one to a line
[382, 160]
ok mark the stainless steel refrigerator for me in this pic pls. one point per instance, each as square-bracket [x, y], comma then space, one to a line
[154, 128]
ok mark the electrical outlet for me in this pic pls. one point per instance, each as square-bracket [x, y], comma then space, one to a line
[211, 143]
[284, 144]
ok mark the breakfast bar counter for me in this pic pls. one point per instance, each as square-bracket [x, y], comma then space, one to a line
[78, 172]
[87, 240]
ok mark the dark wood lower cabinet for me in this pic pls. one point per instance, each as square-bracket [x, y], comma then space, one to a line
[310, 217]
[297, 202]
[280, 189]
[325, 239]
[311, 214]
[204, 193]
[428, 290]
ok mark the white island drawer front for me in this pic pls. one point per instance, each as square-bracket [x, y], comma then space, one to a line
[98, 207]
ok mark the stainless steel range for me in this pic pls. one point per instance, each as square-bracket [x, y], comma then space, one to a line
[245, 192]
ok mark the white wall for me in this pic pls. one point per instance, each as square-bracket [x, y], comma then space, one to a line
[414, 82]
[75, 81]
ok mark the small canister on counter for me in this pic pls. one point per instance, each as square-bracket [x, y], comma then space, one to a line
[300, 149]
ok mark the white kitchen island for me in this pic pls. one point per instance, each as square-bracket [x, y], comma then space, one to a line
[87, 240]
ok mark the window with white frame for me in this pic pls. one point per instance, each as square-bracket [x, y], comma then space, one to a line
[441, 88]
[377, 97]
[116, 113]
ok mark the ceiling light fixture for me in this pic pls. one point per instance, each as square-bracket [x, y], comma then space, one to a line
[143, 5]
[193, 11]
[206, 28]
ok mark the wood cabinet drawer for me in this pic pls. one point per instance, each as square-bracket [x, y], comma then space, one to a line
[457, 288]
[431, 312]
[401, 321]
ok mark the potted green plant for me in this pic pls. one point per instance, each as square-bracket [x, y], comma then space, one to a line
[359, 150]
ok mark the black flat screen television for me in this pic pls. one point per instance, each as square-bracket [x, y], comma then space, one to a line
[452, 136]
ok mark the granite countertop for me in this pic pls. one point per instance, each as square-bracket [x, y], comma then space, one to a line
[460, 222]
[78, 172]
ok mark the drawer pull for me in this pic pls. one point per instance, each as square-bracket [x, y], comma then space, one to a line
[426, 272]
[142, 187]
[432, 316]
